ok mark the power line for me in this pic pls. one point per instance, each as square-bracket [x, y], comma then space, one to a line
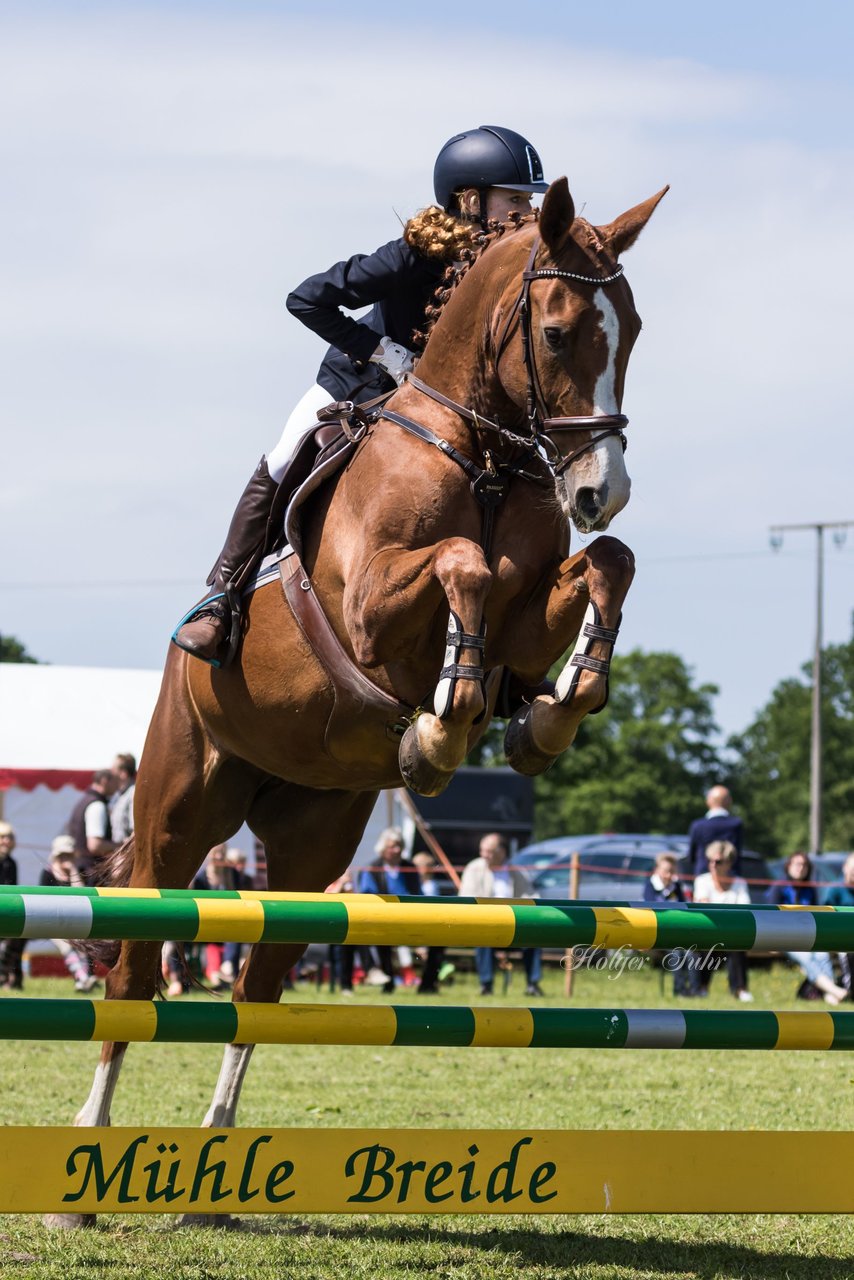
[182, 583]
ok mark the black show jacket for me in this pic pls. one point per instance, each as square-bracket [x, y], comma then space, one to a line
[397, 282]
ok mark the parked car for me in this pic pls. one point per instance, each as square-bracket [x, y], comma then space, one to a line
[535, 856]
[617, 869]
[609, 872]
[561, 848]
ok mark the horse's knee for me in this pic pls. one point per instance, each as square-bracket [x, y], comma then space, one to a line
[613, 559]
[460, 566]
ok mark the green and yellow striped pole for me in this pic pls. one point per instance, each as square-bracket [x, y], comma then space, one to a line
[460, 1027]
[354, 919]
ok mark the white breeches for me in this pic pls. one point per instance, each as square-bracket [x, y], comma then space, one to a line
[302, 420]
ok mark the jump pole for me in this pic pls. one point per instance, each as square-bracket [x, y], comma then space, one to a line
[226, 1022]
[354, 919]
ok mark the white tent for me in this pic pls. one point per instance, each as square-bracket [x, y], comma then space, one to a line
[59, 724]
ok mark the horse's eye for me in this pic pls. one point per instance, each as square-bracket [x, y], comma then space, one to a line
[554, 337]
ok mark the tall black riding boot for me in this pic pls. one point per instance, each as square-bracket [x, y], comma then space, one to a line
[210, 624]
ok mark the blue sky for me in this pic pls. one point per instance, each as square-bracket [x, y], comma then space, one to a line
[176, 168]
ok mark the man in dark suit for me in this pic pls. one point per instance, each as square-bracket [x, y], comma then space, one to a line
[718, 824]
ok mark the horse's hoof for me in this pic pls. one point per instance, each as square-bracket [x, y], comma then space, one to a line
[418, 773]
[215, 1221]
[521, 750]
[69, 1221]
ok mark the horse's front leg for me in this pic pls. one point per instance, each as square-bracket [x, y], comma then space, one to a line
[391, 608]
[436, 744]
[585, 604]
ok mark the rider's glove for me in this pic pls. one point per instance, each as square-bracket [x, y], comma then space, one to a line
[395, 359]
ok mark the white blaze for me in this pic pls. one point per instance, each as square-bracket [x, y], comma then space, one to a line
[603, 468]
[604, 393]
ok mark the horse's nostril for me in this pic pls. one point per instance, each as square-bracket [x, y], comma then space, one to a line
[587, 502]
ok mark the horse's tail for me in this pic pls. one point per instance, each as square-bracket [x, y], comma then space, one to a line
[115, 871]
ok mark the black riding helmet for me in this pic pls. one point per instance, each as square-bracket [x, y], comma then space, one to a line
[488, 156]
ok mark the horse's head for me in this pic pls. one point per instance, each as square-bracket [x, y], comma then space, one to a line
[578, 324]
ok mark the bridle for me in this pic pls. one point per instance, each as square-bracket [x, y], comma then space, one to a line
[490, 483]
[541, 424]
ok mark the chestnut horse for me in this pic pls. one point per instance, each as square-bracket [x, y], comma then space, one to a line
[535, 336]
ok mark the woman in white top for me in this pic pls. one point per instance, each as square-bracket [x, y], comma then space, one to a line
[719, 886]
[490, 876]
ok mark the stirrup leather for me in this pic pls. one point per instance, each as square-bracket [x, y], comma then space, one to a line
[581, 660]
[453, 670]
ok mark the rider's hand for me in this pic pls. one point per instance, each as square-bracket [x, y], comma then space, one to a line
[396, 360]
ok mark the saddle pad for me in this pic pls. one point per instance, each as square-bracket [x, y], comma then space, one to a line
[268, 570]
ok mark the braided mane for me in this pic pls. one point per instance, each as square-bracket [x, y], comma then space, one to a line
[458, 270]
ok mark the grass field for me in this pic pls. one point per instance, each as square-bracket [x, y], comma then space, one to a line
[416, 1087]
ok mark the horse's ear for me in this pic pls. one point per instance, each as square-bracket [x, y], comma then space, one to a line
[556, 215]
[621, 234]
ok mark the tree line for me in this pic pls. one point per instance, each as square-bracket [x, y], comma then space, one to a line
[645, 762]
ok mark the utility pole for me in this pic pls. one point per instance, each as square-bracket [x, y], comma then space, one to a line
[776, 532]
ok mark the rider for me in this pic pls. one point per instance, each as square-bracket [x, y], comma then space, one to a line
[481, 175]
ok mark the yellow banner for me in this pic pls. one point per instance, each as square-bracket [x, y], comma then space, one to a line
[243, 1171]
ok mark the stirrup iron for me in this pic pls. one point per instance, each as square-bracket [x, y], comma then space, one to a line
[214, 605]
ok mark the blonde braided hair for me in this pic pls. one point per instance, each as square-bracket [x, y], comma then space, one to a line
[438, 234]
[478, 242]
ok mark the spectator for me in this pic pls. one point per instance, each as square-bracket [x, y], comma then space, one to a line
[121, 812]
[433, 958]
[718, 824]
[63, 874]
[235, 861]
[425, 865]
[720, 886]
[215, 874]
[664, 885]
[342, 955]
[89, 825]
[798, 890]
[391, 873]
[489, 876]
[259, 877]
[11, 949]
[175, 970]
[842, 895]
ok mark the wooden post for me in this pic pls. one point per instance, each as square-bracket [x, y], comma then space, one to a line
[567, 958]
[427, 836]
